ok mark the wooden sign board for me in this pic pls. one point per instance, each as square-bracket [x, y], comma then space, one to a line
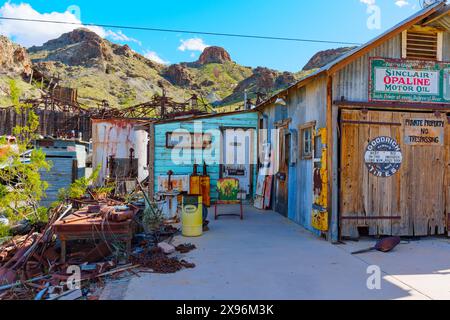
[179, 183]
[424, 132]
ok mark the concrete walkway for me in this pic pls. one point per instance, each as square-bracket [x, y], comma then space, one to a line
[268, 257]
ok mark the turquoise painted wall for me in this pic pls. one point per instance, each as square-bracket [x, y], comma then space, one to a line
[163, 156]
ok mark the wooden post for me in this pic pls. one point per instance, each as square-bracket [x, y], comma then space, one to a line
[63, 251]
[74, 170]
[151, 160]
[332, 200]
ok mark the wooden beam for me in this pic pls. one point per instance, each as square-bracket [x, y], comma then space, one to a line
[393, 105]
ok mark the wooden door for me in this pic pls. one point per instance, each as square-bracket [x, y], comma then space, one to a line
[281, 199]
[238, 153]
[394, 173]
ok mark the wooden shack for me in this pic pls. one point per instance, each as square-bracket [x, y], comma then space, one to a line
[226, 142]
[364, 141]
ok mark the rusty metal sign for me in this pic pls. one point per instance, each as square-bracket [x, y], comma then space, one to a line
[409, 80]
[383, 157]
[424, 132]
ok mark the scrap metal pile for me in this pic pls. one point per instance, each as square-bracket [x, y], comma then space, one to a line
[159, 107]
[38, 265]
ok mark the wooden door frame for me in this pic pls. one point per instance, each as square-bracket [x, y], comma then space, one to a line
[284, 127]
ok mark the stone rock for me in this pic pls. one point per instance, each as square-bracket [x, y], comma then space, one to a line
[322, 58]
[178, 75]
[166, 248]
[214, 55]
[285, 79]
[14, 59]
[80, 47]
[124, 51]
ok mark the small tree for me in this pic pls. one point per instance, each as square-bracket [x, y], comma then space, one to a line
[21, 187]
[79, 188]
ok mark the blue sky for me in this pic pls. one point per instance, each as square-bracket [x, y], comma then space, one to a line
[337, 20]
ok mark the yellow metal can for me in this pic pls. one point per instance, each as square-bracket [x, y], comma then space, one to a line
[192, 216]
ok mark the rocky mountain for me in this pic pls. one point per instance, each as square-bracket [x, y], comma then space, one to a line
[14, 61]
[102, 70]
[323, 58]
[214, 55]
[13, 58]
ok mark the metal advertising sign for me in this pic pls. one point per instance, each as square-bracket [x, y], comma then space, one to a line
[424, 132]
[409, 80]
[383, 157]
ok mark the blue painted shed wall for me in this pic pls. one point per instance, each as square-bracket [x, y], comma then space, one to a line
[60, 174]
[163, 156]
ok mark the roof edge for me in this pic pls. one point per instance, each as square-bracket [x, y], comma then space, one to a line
[346, 59]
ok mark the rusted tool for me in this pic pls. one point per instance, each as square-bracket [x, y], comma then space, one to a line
[384, 245]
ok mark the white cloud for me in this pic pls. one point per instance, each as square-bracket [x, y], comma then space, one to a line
[368, 2]
[153, 56]
[37, 33]
[120, 36]
[401, 3]
[193, 44]
[398, 3]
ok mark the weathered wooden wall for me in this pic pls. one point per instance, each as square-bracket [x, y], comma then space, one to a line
[416, 194]
[163, 156]
[52, 123]
[352, 83]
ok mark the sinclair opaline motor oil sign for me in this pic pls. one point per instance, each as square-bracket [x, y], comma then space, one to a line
[409, 80]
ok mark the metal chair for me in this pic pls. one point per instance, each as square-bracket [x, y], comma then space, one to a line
[228, 190]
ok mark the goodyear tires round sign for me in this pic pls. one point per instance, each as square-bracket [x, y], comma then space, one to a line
[383, 157]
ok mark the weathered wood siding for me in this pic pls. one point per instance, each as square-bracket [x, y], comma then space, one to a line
[52, 123]
[163, 161]
[416, 194]
[352, 84]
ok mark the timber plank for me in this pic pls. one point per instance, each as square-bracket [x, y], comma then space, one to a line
[349, 143]
[419, 193]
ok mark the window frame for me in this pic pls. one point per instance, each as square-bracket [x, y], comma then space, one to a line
[417, 29]
[307, 127]
[193, 140]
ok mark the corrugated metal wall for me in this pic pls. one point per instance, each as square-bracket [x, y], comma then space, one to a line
[163, 156]
[303, 106]
[59, 177]
[446, 47]
[62, 156]
[352, 82]
[311, 106]
[116, 137]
